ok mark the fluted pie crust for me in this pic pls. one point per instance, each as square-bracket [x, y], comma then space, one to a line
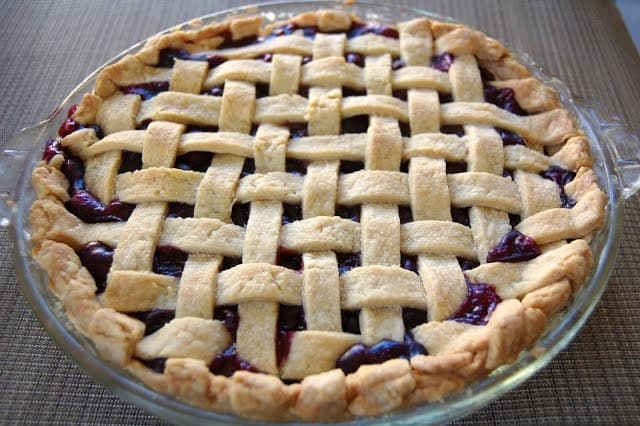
[458, 353]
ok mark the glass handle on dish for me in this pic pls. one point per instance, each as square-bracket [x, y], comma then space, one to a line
[619, 143]
[13, 160]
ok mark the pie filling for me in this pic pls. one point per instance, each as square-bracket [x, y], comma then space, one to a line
[424, 230]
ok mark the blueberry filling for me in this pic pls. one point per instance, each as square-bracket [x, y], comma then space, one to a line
[297, 130]
[485, 75]
[514, 219]
[347, 261]
[52, 148]
[97, 258]
[397, 64]
[288, 29]
[442, 62]
[200, 129]
[347, 92]
[561, 177]
[180, 210]
[248, 168]
[400, 94]
[154, 319]
[167, 57]
[169, 260]
[514, 247]
[146, 90]
[405, 130]
[445, 98]
[240, 214]
[382, 351]
[196, 161]
[264, 57]
[412, 317]
[229, 42]
[409, 262]
[349, 212]
[480, 301]
[504, 98]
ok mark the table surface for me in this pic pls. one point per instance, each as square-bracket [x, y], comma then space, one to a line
[47, 48]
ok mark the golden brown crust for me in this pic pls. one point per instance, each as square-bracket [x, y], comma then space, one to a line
[458, 353]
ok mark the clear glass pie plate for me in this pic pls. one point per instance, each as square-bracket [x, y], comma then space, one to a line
[615, 150]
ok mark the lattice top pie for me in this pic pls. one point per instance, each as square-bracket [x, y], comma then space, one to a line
[318, 219]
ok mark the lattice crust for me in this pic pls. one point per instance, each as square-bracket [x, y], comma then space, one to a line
[405, 157]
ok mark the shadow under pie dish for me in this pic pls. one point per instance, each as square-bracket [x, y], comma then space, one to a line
[402, 202]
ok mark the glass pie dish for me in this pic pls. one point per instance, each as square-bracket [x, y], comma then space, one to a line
[615, 166]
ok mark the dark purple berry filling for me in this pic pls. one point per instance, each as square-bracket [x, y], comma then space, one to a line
[480, 302]
[200, 129]
[88, 208]
[70, 125]
[354, 58]
[456, 167]
[382, 351]
[404, 167]
[146, 90]
[350, 166]
[445, 98]
[510, 138]
[347, 261]
[169, 260]
[355, 124]
[460, 215]
[290, 320]
[401, 94]
[288, 29]
[214, 91]
[196, 161]
[347, 92]
[97, 258]
[453, 129]
[349, 212]
[504, 98]
[230, 262]
[405, 214]
[357, 30]
[297, 167]
[397, 64]
[291, 213]
[405, 130]
[514, 247]
[228, 362]
[229, 316]
[559, 175]
[156, 364]
[131, 161]
[442, 62]
[486, 75]
[409, 262]
[180, 210]
[73, 169]
[264, 57]
[514, 219]
[507, 173]
[240, 214]
[167, 57]
[350, 321]
[466, 264]
[413, 317]
[52, 148]
[248, 168]
[154, 319]
[289, 259]
[229, 42]
[262, 90]
[297, 130]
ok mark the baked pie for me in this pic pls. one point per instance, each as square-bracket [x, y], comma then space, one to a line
[317, 219]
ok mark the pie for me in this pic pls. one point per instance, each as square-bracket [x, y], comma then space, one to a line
[317, 219]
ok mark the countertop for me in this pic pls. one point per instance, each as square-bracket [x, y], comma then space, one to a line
[47, 48]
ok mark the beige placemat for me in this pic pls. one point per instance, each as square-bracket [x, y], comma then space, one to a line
[47, 48]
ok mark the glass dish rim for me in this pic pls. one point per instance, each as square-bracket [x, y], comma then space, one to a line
[455, 406]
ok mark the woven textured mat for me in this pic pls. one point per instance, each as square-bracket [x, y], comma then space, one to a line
[47, 48]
